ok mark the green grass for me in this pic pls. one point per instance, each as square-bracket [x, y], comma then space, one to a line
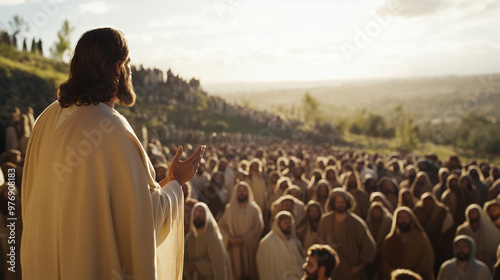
[386, 146]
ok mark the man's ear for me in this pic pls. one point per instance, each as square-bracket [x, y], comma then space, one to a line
[118, 69]
[321, 271]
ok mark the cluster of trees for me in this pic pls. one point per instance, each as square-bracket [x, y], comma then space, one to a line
[18, 27]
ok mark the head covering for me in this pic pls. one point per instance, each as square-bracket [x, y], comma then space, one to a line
[402, 191]
[415, 224]
[305, 218]
[417, 187]
[385, 223]
[473, 265]
[336, 192]
[210, 226]
[380, 196]
[293, 234]
[486, 232]
[234, 194]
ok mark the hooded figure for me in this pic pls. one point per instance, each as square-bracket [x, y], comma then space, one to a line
[352, 184]
[283, 203]
[280, 254]
[464, 266]
[308, 225]
[348, 234]
[407, 246]
[241, 226]
[379, 222]
[437, 222]
[205, 257]
[485, 234]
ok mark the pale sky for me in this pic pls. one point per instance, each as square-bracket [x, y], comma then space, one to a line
[222, 41]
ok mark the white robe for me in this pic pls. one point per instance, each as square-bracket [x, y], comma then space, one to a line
[91, 207]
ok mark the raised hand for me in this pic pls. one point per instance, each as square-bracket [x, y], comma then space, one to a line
[183, 171]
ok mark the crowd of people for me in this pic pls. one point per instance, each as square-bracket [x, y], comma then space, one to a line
[269, 203]
[260, 211]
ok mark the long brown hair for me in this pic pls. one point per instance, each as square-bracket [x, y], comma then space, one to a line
[93, 78]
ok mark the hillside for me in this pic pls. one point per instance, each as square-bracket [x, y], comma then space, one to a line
[423, 98]
[169, 105]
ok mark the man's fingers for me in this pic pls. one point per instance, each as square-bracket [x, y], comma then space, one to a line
[197, 155]
[178, 154]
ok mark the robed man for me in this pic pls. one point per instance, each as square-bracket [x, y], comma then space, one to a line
[280, 254]
[348, 234]
[91, 206]
[407, 246]
[241, 226]
[205, 257]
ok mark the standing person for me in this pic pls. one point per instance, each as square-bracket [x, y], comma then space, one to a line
[379, 222]
[321, 260]
[485, 234]
[88, 188]
[407, 246]
[206, 257]
[257, 183]
[241, 226]
[344, 230]
[464, 265]
[437, 222]
[352, 184]
[307, 228]
[280, 254]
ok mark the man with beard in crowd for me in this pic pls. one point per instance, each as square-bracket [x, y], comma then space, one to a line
[298, 180]
[464, 266]
[440, 187]
[407, 246]
[89, 189]
[345, 231]
[214, 195]
[321, 260]
[200, 179]
[308, 226]
[484, 233]
[437, 222]
[492, 208]
[257, 182]
[280, 254]
[379, 222]
[241, 226]
[352, 184]
[205, 255]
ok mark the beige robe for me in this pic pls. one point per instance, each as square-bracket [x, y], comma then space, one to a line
[244, 222]
[90, 204]
[352, 241]
[206, 251]
[279, 257]
[259, 189]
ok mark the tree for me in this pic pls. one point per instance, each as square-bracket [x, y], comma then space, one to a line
[60, 47]
[40, 47]
[25, 45]
[310, 108]
[18, 26]
[33, 46]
